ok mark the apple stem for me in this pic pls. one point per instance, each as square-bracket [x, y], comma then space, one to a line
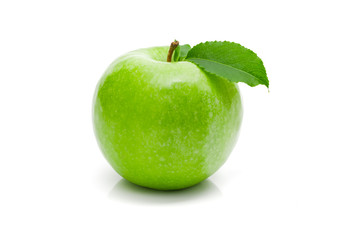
[173, 46]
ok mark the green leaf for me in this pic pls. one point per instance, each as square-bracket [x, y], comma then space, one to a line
[229, 60]
[184, 49]
[176, 54]
[180, 52]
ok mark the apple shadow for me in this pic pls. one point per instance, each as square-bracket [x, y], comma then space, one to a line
[126, 191]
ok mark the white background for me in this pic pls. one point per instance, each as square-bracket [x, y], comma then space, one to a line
[294, 174]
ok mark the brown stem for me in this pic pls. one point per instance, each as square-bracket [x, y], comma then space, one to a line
[173, 46]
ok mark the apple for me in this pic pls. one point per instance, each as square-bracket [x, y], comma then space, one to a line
[164, 125]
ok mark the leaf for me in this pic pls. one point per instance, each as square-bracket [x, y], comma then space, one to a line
[176, 54]
[184, 49]
[229, 60]
[181, 52]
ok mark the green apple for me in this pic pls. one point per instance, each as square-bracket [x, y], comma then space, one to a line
[164, 125]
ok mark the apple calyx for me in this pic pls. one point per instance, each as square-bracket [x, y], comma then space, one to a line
[173, 46]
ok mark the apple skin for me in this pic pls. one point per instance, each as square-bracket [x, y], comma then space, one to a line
[164, 125]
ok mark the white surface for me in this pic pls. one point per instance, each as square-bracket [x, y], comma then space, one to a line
[294, 173]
